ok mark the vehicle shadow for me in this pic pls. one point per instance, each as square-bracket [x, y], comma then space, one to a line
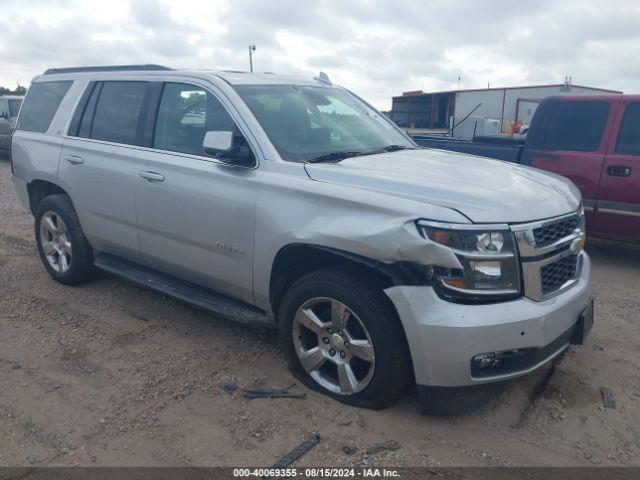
[613, 253]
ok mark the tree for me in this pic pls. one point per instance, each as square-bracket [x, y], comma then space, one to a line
[19, 90]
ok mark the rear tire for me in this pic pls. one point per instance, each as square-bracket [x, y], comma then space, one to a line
[355, 324]
[62, 246]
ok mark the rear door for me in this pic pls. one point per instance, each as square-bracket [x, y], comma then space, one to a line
[98, 166]
[573, 144]
[619, 200]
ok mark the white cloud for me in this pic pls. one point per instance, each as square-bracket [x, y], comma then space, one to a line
[375, 47]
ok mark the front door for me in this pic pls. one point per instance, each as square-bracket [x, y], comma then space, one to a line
[619, 199]
[195, 214]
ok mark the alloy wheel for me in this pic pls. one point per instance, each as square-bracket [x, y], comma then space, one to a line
[333, 345]
[55, 242]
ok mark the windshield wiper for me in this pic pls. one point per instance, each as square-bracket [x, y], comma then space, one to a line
[387, 149]
[394, 148]
[333, 157]
[338, 156]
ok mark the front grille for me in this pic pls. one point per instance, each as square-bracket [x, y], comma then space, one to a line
[548, 234]
[556, 274]
[544, 249]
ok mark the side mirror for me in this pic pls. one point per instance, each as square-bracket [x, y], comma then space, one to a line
[217, 143]
[228, 148]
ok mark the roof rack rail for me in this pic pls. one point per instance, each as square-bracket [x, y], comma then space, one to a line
[108, 68]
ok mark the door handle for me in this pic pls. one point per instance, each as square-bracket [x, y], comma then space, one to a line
[74, 159]
[152, 176]
[619, 171]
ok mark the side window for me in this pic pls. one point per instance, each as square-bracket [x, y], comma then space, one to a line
[41, 104]
[629, 136]
[4, 109]
[576, 126]
[185, 115]
[14, 107]
[118, 112]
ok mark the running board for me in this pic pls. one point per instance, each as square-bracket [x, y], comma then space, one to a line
[200, 297]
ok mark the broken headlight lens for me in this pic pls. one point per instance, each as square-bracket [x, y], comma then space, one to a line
[487, 256]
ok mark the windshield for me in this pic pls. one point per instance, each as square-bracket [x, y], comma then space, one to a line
[305, 123]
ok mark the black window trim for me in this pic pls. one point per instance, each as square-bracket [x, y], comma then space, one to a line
[204, 157]
[86, 107]
[151, 112]
[624, 115]
[80, 110]
[93, 102]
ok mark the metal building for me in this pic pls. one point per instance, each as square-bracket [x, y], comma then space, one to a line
[465, 108]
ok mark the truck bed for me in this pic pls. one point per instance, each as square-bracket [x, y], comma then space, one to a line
[501, 148]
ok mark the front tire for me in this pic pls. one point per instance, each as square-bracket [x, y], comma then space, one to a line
[62, 246]
[342, 337]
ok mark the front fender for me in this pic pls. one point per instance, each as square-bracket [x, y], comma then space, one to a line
[369, 224]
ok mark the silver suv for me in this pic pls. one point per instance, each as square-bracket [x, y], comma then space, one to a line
[9, 108]
[293, 203]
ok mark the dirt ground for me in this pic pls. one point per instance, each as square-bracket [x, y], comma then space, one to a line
[109, 374]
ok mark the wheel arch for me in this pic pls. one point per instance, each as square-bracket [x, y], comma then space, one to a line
[361, 282]
[40, 189]
[296, 260]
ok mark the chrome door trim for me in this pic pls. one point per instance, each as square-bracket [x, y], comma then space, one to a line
[588, 204]
[619, 208]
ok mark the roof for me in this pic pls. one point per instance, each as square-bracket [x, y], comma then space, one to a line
[415, 93]
[231, 77]
[247, 78]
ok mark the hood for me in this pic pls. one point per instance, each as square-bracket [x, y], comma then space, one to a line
[482, 189]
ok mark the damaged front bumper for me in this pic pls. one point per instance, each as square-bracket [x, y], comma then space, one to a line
[445, 337]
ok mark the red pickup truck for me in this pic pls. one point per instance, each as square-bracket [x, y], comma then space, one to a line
[592, 140]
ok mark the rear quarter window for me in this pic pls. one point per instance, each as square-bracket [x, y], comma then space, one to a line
[41, 104]
[576, 126]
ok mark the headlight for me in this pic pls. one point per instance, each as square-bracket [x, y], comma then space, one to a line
[488, 257]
